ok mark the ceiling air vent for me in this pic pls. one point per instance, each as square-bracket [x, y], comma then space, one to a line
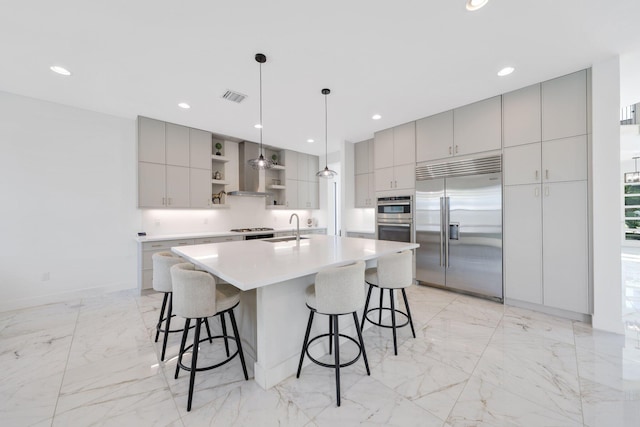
[234, 96]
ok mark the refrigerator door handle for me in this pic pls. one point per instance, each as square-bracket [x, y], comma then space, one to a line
[441, 231]
[445, 225]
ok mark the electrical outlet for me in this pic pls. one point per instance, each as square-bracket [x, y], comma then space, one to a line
[45, 276]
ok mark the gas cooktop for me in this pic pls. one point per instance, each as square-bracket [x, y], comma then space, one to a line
[246, 230]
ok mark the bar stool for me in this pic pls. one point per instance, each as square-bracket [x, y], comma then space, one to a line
[197, 296]
[337, 291]
[394, 271]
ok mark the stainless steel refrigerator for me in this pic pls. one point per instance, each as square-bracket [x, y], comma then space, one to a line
[458, 222]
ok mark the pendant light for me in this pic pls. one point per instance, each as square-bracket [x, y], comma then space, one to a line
[326, 172]
[260, 162]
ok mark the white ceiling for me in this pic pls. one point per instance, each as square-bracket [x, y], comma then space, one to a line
[402, 59]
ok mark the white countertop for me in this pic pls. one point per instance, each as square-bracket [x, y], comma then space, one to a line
[180, 236]
[250, 264]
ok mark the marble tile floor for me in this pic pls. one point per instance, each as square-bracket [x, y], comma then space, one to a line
[474, 363]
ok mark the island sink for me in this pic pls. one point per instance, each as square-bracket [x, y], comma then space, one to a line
[283, 239]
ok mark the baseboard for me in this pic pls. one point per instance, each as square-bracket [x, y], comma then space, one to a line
[581, 317]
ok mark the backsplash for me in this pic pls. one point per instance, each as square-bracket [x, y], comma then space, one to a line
[243, 212]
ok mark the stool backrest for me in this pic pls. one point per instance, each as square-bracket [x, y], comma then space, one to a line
[340, 290]
[395, 270]
[194, 292]
[162, 262]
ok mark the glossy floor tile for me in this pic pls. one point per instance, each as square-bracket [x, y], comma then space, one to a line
[473, 363]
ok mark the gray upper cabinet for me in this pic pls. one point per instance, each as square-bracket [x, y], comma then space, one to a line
[477, 127]
[291, 161]
[199, 149]
[383, 149]
[564, 106]
[404, 144]
[303, 167]
[521, 116]
[177, 145]
[434, 137]
[364, 157]
[151, 136]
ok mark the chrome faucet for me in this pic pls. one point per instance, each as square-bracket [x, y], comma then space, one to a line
[297, 225]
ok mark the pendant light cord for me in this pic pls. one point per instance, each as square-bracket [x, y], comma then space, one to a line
[326, 155]
[260, 108]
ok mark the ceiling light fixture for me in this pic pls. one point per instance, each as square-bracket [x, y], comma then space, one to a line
[506, 71]
[476, 4]
[376, 117]
[184, 105]
[260, 162]
[326, 172]
[60, 70]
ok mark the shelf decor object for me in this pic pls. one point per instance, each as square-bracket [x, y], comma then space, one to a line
[218, 148]
[260, 162]
[326, 172]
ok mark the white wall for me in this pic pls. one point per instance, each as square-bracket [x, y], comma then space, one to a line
[605, 161]
[68, 181]
[354, 219]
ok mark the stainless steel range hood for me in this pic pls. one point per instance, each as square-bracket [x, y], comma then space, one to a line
[251, 181]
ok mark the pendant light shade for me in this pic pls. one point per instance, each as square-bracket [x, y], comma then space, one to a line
[260, 162]
[326, 172]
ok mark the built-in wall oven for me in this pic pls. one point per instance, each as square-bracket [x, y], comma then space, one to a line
[394, 219]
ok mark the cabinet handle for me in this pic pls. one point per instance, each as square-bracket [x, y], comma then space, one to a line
[546, 173]
[156, 246]
[546, 191]
[390, 184]
[450, 150]
[164, 201]
[456, 149]
[537, 192]
[182, 244]
[536, 174]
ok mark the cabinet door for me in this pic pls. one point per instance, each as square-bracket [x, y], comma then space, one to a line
[177, 145]
[314, 201]
[303, 167]
[361, 160]
[372, 190]
[404, 144]
[177, 186]
[199, 188]
[404, 176]
[565, 242]
[384, 179]
[523, 243]
[291, 165]
[151, 136]
[522, 164]
[522, 116]
[564, 106]
[434, 137]
[151, 185]
[303, 194]
[565, 159]
[362, 190]
[314, 167]
[199, 149]
[383, 149]
[291, 194]
[478, 127]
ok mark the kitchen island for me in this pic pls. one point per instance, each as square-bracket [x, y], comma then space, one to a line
[274, 275]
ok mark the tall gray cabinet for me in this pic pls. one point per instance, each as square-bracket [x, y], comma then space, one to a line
[546, 233]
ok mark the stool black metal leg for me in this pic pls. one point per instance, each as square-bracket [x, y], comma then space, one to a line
[160, 319]
[393, 322]
[366, 306]
[330, 332]
[224, 332]
[185, 332]
[406, 304]
[380, 312]
[304, 343]
[167, 327]
[240, 352]
[194, 363]
[336, 338]
[364, 353]
[206, 324]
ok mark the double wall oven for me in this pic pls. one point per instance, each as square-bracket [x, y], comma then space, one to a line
[394, 219]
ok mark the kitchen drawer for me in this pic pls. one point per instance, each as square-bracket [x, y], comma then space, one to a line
[165, 244]
[147, 276]
[361, 235]
[205, 240]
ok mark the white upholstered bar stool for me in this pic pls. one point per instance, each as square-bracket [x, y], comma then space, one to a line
[393, 272]
[162, 263]
[337, 291]
[196, 296]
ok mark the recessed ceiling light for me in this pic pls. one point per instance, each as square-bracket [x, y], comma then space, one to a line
[376, 117]
[257, 126]
[310, 141]
[184, 105]
[506, 71]
[476, 4]
[60, 70]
